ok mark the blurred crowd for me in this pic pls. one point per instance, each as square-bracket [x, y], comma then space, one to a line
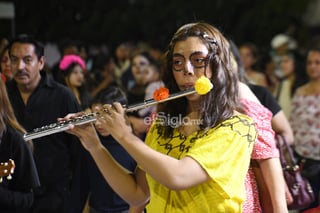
[132, 66]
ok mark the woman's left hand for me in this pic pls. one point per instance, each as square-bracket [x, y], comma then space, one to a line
[115, 120]
[86, 132]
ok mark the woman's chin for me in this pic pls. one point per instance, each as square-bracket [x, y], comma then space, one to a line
[193, 97]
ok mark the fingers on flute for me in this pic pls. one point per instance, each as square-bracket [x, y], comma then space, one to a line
[118, 107]
[73, 130]
[70, 116]
[107, 109]
[115, 107]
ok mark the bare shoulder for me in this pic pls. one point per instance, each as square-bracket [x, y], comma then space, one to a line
[305, 89]
[246, 93]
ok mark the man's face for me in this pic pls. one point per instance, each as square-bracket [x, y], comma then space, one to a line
[25, 64]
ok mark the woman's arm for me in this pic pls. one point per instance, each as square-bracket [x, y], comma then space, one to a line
[273, 177]
[176, 174]
[173, 173]
[280, 125]
[139, 208]
[130, 187]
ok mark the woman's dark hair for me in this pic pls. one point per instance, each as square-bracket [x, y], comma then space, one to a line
[220, 103]
[65, 73]
[237, 57]
[144, 54]
[5, 48]
[85, 96]
[300, 73]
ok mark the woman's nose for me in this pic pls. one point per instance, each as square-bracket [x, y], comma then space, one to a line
[188, 69]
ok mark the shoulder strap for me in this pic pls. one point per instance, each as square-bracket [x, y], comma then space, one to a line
[287, 158]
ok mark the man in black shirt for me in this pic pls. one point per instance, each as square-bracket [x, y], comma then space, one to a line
[38, 101]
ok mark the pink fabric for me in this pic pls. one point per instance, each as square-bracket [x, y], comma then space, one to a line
[264, 148]
[67, 60]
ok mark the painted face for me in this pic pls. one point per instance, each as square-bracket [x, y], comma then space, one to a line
[190, 62]
[139, 62]
[150, 73]
[25, 64]
[313, 65]
[6, 65]
[76, 77]
[97, 124]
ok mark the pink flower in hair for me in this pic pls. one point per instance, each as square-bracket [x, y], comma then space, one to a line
[67, 60]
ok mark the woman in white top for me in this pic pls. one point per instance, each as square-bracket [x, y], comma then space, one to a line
[305, 122]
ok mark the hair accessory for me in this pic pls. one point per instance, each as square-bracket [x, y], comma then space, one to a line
[208, 38]
[67, 60]
[203, 85]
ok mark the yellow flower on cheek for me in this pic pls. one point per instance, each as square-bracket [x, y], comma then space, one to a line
[203, 85]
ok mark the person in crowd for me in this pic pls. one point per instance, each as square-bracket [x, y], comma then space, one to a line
[281, 44]
[265, 165]
[198, 165]
[280, 123]
[16, 194]
[72, 68]
[90, 184]
[122, 72]
[292, 77]
[305, 122]
[143, 74]
[152, 74]
[267, 65]
[84, 53]
[5, 67]
[135, 87]
[104, 76]
[66, 47]
[37, 101]
[249, 58]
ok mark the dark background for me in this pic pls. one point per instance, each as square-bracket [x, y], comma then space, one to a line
[114, 21]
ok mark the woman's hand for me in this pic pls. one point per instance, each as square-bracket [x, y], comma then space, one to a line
[114, 119]
[86, 132]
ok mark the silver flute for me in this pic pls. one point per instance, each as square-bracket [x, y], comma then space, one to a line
[91, 117]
